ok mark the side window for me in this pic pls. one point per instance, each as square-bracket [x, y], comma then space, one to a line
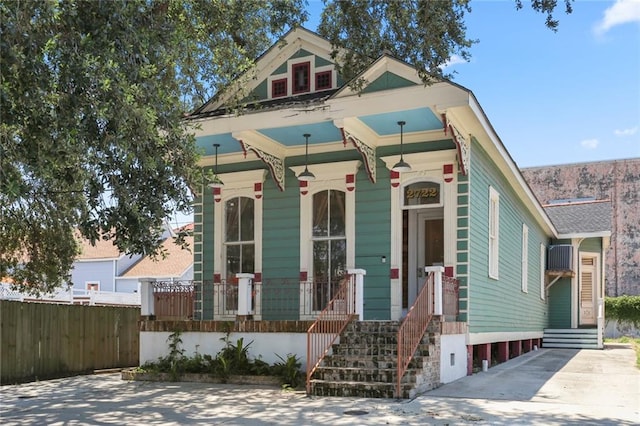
[329, 244]
[494, 232]
[239, 244]
[525, 258]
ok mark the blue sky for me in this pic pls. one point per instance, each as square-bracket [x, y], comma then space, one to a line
[565, 97]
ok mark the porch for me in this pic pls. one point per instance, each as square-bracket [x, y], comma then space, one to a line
[283, 317]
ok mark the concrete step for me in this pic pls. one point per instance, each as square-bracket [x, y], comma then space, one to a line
[569, 345]
[357, 361]
[557, 339]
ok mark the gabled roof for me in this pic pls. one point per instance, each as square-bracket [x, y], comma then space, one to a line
[174, 265]
[591, 218]
[102, 250]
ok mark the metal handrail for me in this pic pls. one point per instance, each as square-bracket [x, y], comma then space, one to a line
[413, 327]
[329, 325]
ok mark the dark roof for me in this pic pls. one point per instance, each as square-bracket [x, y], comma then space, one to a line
[580, 218]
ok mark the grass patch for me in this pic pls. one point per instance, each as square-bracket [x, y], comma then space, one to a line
[635, 344]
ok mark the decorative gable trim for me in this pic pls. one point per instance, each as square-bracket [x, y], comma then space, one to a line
[267, 150]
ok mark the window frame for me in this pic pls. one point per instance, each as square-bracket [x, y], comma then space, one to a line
[320, 74]
[294, 69]
[276, 82]
[494, 234]
[525, 258]
[240, 242]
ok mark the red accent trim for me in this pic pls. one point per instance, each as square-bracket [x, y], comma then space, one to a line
[257, 277]
[297, 87]
[303, 187]
[329, 80]
[216, 278]
[276, 86]
[217, 194]
[448, 271]
[447, 171]
[257, 189]
[303, 275]
[395, 178]
[350, 180]
[459, 151]
[394, 273]
[444, 123]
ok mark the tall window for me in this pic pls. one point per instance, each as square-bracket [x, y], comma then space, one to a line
[239, 246]
[494, 232]
[301, 77]
[329, 243]
[525, 258]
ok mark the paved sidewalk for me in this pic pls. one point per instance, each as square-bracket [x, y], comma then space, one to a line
[546, 387]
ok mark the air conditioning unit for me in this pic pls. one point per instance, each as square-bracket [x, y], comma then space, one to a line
[560, 258]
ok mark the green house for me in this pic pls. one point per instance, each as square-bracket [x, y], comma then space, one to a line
[393, 189]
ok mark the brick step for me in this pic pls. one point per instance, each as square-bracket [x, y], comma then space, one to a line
[367, 375]
[367, 351]
[380, 361]
[358, 389]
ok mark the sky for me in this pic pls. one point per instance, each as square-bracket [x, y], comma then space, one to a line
[566, 97]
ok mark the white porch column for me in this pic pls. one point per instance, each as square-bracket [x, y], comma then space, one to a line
[600, 323]
[359, 282]
[437, 287]
[244, 293]
[146, 297]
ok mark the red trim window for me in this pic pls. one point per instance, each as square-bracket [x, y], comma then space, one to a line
[323, 80]
[301, 73]
[279, 88]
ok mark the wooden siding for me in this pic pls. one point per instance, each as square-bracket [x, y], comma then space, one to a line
[280, 239]
[373, 235]
[500, 305]
[591, 245]
[560, 304]
[462, 246]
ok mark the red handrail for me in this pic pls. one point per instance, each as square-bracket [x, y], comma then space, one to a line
[413, 327]
[329, 325]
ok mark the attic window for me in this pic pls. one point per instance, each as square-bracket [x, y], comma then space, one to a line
[323, 80]
[301, 77]
[279, 88]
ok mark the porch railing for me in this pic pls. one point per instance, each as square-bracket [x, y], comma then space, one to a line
[329, 325]
[173, 300]
[414, 326]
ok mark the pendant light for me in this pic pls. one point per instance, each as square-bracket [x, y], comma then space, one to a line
[306, 175]
[401, 166]
[216, 182]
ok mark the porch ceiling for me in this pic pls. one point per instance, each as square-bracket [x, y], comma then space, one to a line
[382, 125]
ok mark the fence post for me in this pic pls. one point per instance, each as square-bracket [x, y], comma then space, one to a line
[359, 290]
[437, 287]
[244, 293]
[146, 297]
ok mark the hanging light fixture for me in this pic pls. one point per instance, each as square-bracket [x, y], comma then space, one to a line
[216, 182]
[401, 166]
[306, 175]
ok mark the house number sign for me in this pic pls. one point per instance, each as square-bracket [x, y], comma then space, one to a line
[422, 193]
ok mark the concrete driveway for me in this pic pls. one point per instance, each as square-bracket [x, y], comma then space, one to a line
[546, 387]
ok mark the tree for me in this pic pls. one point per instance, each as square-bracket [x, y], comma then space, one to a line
[92, 140]
[93, 96]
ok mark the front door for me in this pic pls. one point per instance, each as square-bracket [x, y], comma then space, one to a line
[587, 293]
[425, 238]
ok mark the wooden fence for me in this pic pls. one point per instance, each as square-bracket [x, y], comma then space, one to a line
[43, 340]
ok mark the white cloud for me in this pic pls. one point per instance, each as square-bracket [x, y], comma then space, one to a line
[589, 143]
[622, 12]
[626, 132]
[453, 60]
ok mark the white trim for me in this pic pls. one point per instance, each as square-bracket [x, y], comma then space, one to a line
[601, 234]
[425, 166]
[492, 337]
[90, 282]
[494, 234]
[525, 258]
[543, 254]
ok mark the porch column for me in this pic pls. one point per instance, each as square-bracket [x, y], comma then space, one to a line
[484, 353]
[437, 287]
[146, 297]
[600, 323]
[244, 293]
[359, 291]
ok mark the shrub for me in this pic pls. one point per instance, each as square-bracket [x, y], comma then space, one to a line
[625, 309]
